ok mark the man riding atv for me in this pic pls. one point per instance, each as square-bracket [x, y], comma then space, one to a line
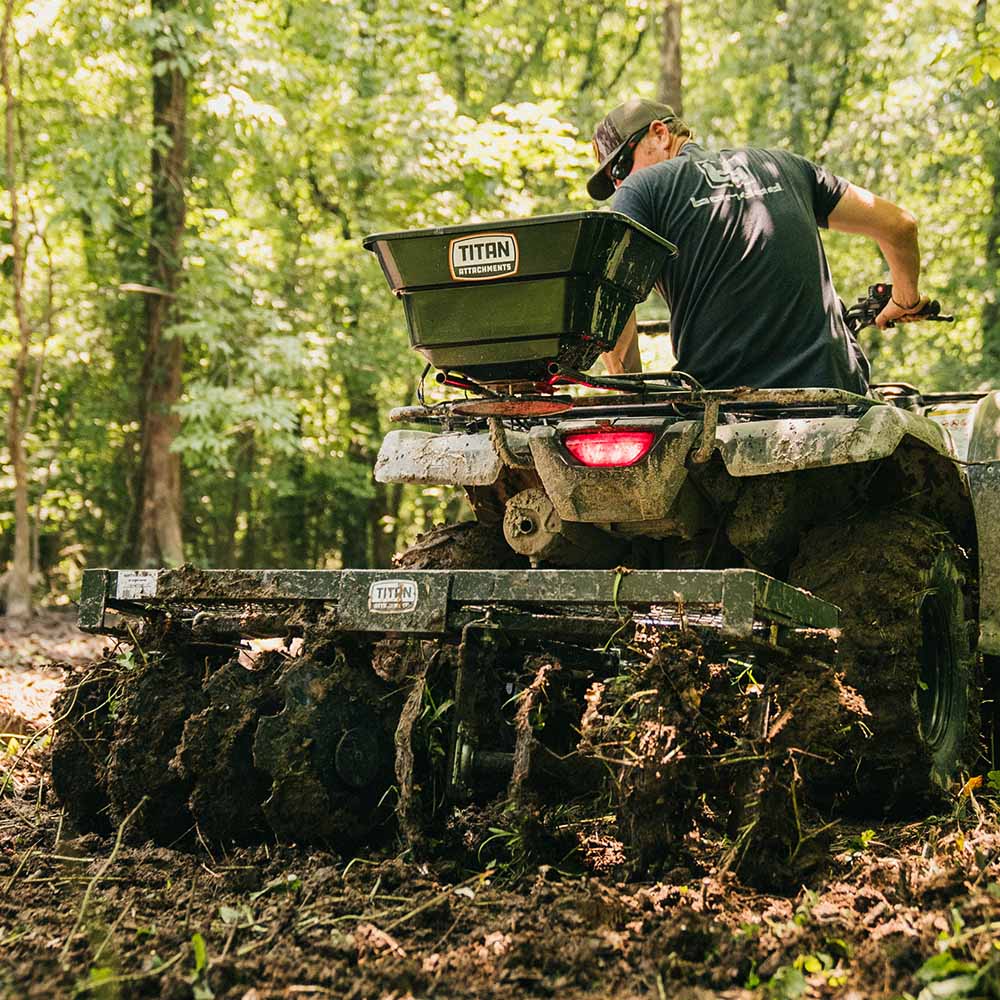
[751, 298]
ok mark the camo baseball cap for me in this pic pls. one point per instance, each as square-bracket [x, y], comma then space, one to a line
[614, 132]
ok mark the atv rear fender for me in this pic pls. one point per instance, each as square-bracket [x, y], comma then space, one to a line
[983, 474]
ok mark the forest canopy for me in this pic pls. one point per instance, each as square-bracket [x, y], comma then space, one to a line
[187, 184]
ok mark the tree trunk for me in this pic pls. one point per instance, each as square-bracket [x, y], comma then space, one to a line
[991, 308]
[670, 57]
[248, 546]
[19, 580]
[160, 538]
[292, 509]
[991, 155]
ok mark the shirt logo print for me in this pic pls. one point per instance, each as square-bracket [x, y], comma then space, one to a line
[732, 181]
[726, 174]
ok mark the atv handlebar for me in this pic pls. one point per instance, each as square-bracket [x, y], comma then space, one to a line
[863, 313]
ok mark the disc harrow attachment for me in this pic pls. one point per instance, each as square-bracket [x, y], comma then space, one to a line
[442, 698]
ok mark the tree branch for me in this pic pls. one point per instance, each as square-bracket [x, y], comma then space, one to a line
[633, 52]
[324, 201]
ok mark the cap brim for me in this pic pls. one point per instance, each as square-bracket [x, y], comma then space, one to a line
[600, 186]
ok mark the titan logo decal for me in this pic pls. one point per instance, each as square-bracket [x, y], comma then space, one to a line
[392, 597]
[482, 257]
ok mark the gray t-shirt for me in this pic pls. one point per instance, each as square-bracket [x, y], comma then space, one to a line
[751, 298]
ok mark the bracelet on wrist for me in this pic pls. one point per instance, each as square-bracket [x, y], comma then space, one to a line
[899, 305]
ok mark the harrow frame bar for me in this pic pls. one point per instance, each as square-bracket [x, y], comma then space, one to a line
[435, 602]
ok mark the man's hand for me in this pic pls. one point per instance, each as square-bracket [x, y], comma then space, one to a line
[906, 313]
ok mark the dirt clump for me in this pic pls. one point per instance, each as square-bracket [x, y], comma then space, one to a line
[215, 754]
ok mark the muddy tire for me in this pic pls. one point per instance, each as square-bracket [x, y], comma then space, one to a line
[469, 545]
[900, 581]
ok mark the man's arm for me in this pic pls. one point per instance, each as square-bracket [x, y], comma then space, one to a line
[895, 231]
[624, 356]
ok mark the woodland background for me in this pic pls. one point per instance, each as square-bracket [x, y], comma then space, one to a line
[197, 355]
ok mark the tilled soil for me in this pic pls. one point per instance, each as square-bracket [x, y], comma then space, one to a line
[901, 910]
[889, 911]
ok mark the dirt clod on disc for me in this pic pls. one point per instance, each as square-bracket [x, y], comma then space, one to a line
[158, 695]
[82, 742]
[215, 755]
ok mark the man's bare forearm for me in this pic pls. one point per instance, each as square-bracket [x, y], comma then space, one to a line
[624, 356]
[895, 231]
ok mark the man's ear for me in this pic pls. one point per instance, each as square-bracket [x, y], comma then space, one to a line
[663, 134]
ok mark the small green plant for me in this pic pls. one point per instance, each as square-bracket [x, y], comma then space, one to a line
[126, 658]
[100, 983]
[512, 843]
[241, 918]
[787, 983]
[285, 883]
[822, 964]
[434, 724]
[861, 842]
[744, 679]
[804, 910]
[944, 976]
[199, 974]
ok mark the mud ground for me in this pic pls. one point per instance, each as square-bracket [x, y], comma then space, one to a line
[899, 910]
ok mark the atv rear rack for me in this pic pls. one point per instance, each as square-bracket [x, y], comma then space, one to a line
[230, 604]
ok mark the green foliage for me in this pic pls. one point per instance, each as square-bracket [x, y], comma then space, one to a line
[311, 125]
[945, 976]
[788, 983]
[284, 883]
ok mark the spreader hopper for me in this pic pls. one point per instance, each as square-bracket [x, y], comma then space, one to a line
[503, 302]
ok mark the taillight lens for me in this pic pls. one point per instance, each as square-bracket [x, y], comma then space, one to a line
[609, 449]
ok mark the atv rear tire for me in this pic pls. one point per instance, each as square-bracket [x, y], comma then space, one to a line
[899, 580]
[467, 545]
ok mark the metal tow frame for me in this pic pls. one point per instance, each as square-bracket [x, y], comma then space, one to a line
[433, 602]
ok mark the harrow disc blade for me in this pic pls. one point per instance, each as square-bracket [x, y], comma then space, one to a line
[215, 752]
[328, 754]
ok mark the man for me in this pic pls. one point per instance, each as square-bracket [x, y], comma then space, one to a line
[751, 298]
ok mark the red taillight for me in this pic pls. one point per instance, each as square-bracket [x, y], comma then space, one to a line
[609, 449]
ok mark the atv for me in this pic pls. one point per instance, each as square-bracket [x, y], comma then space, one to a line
[675, 609]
